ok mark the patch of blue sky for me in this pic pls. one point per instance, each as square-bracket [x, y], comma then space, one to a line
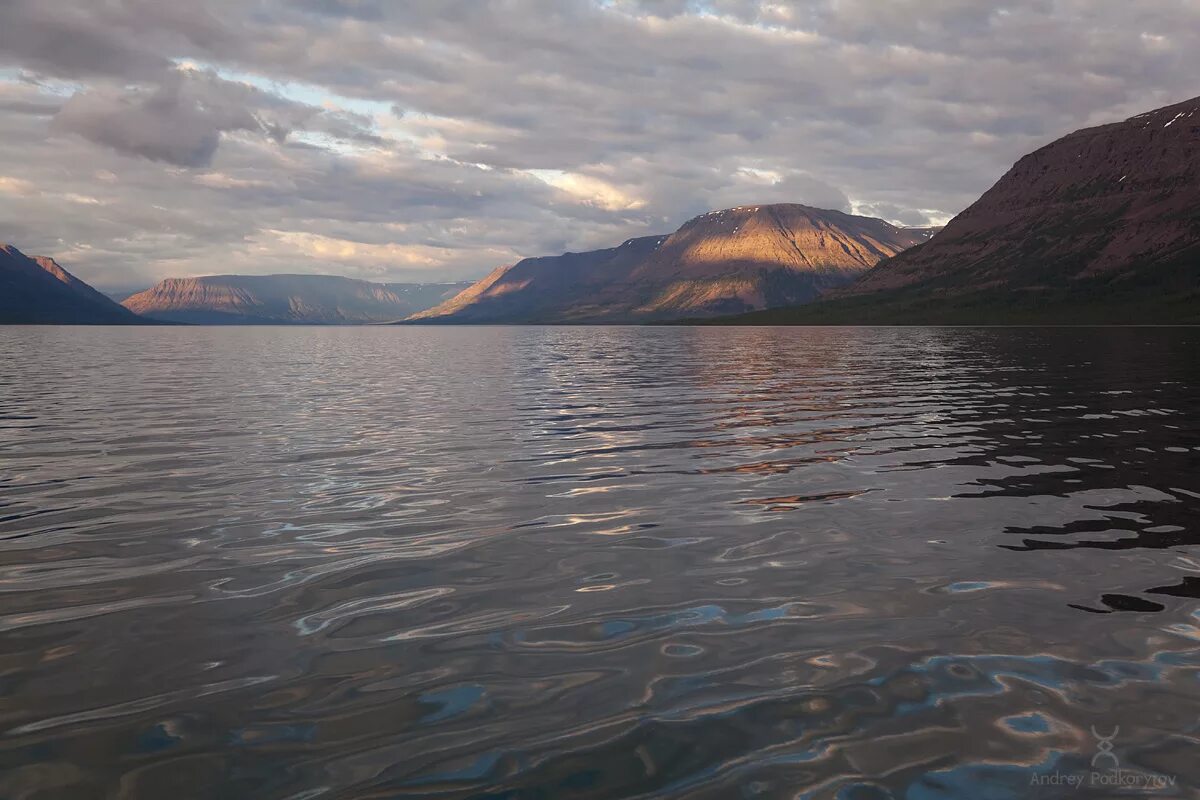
[54, 86]
[299, 91]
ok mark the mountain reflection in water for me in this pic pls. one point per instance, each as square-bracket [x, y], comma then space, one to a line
[597, 562]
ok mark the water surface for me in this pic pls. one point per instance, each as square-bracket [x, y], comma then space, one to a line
[598, 562]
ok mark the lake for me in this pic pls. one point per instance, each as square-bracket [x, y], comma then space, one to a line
[615, 562]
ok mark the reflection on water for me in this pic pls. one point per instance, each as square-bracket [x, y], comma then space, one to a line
[597, 563]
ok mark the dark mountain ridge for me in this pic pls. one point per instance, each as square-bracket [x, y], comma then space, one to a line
[1102, 225]
[36, 290]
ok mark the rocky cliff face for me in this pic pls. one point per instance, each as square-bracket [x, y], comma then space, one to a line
[37, 290]
[284, 299]
[1099, 210]
[722, 262]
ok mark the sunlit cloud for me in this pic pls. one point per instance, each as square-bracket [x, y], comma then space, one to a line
[589, 191]
[219, 180]
[325, 249]
[16, 186]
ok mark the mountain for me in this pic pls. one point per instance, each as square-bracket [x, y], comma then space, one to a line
[285, 299]
[122, 293]
[566, 288]
[1102, 225]
[36, 290]
[721, 262]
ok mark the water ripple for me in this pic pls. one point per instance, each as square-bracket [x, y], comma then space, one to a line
[597, 562]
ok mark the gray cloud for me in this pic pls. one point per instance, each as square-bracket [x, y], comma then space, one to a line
[180, 120]
[65, 40]
[356, 9]
[440, 137]
[159, 124]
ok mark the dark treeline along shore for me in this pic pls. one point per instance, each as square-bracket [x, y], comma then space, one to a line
[1100, 226]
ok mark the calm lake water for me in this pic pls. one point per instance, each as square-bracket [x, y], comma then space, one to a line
[599, 563]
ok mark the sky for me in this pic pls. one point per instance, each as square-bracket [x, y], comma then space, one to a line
[433, 140]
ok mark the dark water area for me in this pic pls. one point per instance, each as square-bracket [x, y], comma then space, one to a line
[599, 563]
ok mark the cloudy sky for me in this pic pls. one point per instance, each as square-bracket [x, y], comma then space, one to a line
[436, 139]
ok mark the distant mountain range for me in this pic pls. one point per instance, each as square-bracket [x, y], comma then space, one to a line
[722, 262]
[36, 290]
[1100, 226]
[285, 299]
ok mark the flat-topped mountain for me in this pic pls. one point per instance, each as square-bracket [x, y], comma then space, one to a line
[37, 290]
[1102, 225]
[285, 299]
[722, 262]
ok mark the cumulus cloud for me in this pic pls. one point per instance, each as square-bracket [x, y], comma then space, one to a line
[437, 138]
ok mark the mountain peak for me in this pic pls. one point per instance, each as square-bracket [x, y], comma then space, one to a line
[37, 290]
[736, 214]
[722, 261]
[790, 236]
